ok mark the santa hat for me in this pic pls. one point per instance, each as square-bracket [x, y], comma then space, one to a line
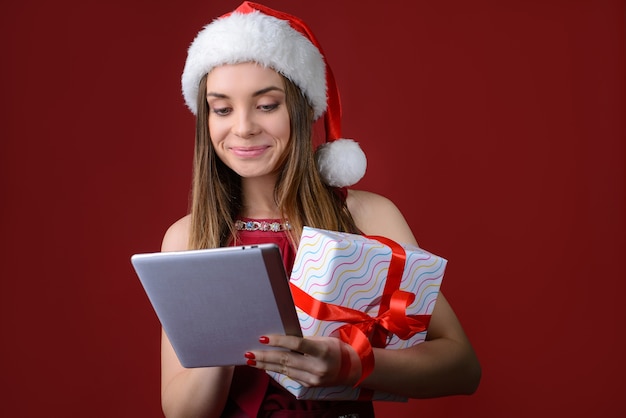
[277, 40]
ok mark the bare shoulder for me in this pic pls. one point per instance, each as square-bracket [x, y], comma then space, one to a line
[177, 235]
[377, 215]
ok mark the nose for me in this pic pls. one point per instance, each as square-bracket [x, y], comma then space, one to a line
[244, 125]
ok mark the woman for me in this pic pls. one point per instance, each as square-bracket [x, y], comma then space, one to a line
[257, 80]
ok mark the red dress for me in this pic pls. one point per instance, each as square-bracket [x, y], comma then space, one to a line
[254, 394]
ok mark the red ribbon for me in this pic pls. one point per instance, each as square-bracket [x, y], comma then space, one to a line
[361, 330]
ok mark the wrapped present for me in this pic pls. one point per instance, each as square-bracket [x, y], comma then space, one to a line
[362, 289]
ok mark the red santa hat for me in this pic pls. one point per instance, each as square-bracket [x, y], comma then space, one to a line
[256, 33]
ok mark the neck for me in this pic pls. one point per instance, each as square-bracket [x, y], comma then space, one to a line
[258, 198]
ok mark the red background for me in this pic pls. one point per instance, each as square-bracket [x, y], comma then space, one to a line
[496, 126]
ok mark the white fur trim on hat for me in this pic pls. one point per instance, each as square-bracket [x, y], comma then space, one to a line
[260, 38]
[341, 162]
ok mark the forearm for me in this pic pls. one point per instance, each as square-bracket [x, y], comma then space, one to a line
[198, 392]
[434, 368]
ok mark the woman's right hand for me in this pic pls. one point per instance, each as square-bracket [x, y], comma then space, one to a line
[197, 392]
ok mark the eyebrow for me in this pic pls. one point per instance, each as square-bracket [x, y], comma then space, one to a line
[255, 94]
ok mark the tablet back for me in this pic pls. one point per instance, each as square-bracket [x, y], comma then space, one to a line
[215, 304]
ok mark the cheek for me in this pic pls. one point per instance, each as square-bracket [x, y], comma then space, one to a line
[283, 129]
[216, 130]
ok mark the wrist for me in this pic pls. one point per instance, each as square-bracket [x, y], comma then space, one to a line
[350, 371]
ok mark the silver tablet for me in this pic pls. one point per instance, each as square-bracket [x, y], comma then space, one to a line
[215, 304]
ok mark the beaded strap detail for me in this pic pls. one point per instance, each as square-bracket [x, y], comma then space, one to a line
[262, 226]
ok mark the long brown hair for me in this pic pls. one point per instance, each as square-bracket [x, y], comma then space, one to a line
[301, 196]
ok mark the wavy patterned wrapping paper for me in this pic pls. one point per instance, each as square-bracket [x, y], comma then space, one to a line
[350, 270]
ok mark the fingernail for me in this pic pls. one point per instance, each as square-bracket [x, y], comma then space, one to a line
[251, 362]
[249, 355]
[264, 340]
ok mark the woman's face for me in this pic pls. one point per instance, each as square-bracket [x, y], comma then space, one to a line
[248, 118]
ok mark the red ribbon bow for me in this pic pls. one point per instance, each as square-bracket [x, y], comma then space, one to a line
[361, 330]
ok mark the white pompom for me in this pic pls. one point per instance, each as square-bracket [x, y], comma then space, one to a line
[341, 162]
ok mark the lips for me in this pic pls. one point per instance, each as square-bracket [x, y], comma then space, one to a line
[249, 152]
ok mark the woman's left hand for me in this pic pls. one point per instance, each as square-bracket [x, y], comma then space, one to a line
[311, 361]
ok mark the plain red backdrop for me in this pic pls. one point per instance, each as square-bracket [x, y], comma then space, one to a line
[497, 127]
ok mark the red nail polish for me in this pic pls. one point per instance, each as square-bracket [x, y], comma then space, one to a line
[251, 362]
[264, 340]
[249, 355]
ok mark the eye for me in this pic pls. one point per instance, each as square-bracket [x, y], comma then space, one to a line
[221, 111]
[268, 107]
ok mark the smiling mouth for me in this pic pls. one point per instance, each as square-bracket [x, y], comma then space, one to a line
[248, 152]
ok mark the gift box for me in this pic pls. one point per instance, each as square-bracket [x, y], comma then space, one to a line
[385, 289]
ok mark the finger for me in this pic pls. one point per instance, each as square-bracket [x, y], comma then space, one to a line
[297, 344]
[276, 360]
[303, 368]
[283, 362]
